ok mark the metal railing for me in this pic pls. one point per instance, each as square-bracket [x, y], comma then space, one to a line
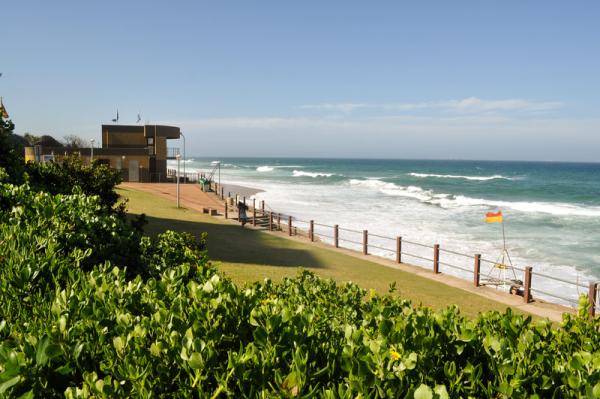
[172, 152]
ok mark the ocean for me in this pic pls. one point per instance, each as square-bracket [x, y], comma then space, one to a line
[551, 210]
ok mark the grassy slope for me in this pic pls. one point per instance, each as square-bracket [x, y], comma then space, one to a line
[247, 255]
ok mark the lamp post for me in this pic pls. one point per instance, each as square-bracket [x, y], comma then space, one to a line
[178, 158]
[182, 135]
[92, 153]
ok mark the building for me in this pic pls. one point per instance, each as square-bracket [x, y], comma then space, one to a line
[139, 151]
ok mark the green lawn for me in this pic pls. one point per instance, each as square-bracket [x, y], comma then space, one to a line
[246, 255]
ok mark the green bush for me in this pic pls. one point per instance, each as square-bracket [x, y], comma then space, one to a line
[62, 178]
[35, 222]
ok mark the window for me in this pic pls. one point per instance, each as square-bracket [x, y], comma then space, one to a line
[150, 140]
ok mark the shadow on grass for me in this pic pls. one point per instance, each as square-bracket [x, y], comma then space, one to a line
[232, 243]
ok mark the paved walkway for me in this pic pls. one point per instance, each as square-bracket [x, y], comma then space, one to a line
[190, 195]
[193, 198]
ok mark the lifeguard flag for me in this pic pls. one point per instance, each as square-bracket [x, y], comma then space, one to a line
[493, 217]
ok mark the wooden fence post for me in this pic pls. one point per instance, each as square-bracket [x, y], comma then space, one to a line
[279, 221]
[336, 236]
[311, 231]
[253, 216]
[270, 221]
[398, 249]
[476, 270]
[289, 225]
[527, 288]
[262, 206]
[365, 242]
[592, 293]
[222, 193]
[226, 208]
[436, 258]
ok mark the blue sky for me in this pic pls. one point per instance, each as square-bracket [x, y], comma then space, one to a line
[460, 79]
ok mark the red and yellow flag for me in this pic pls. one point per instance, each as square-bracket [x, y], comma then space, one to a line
[493, 217]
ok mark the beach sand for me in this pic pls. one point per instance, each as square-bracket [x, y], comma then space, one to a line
[240, 190]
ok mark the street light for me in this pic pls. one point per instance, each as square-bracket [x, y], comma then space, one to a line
[178, 158]
[92, 153]
[182, 135]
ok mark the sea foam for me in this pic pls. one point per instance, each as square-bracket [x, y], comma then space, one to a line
[480, 178]
[301, 173]
[264, 169]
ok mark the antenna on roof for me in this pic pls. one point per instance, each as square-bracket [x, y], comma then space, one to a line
[139, 118]
[117, 118]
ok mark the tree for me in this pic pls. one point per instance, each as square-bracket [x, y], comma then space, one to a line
[49, 141]
[31, 139]
[11, 159]
[74, 141]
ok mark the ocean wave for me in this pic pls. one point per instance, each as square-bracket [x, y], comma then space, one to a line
[449, 201]
[553, 208]
[264, 168]
[301, 173]
[480, 178]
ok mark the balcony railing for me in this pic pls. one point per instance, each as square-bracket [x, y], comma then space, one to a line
[172, 152]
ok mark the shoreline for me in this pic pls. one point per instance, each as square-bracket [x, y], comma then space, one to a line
[240, 190]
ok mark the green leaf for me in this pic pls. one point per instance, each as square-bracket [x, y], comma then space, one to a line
[53, 350]
[596, 390]
[440, 391]
[195, 361]
[27, 395]
[208, 287]
[410, 362]
[574, 381]
[7, 384]
[118, 344]
[41, 357]
[423, 392]
[64, 369]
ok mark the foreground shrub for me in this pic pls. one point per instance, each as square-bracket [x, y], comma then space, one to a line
[176, 327]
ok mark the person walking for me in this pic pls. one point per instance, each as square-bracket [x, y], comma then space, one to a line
[242, 213]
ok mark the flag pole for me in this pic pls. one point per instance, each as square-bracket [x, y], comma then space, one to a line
[503, 237]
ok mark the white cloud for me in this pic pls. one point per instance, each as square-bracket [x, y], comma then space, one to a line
[465, 105]
[343, 107]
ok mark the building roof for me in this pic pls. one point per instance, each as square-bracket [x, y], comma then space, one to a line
[169, 132]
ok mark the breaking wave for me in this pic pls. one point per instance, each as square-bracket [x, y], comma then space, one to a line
[264, 169]
[480, 178]
[449, 201]
[301, 173]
